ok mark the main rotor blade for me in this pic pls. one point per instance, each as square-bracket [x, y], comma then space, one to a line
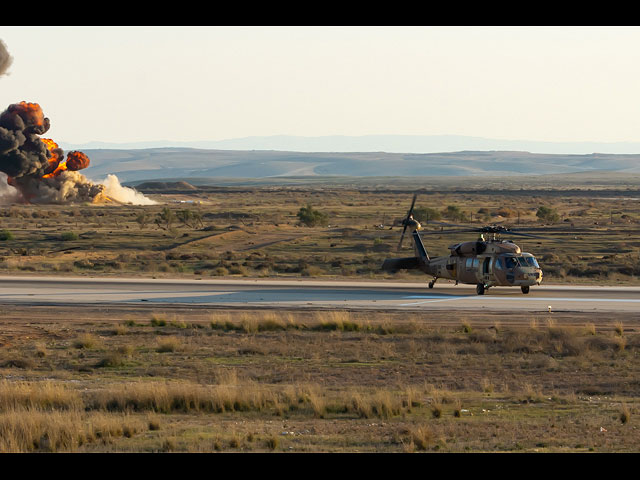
[447, 232]
[476, 230]
[413, 202]
[447, 224]
[509, 232]
[402, 237]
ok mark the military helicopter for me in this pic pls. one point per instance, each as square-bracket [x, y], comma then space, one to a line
[484, 262]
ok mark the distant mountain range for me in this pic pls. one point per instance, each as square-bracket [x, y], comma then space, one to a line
[140, 164]
[377, 143]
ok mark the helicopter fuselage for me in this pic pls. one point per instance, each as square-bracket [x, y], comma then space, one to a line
[490, 263]
[485, 263]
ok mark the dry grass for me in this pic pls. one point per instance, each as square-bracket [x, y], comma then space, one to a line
[421, 437]
[169, 344]
[27, 430]
[324, 378]
[46, 395]
[86, 340]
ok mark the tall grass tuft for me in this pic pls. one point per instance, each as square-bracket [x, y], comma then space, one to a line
[60, 431]
[457, 408]
[86, 341]
[625, 413]
[379, 404]
[158, 321]
[422, 437]
[273, 442]
[37, 395]
[169, 344]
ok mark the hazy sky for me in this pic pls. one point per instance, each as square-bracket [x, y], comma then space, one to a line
[125, 84]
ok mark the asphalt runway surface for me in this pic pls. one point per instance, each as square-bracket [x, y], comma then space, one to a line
[269, 293]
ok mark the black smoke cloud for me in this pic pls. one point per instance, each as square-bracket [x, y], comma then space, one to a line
[30, 167]
[22, 153]
[25, 159]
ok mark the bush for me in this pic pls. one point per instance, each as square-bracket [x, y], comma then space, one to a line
[311, 218]
[547, 214]
[424, 214]
[453, 212]
[168, 345]
[67, 236]
[6, 235]
[86, 341]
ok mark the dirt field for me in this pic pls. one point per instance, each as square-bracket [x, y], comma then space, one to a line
[207, 380]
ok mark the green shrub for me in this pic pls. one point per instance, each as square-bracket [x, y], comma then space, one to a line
[311, 218]
[424, 214]
[67, 236]
[6, 235]
[453, 212]
[547, 214]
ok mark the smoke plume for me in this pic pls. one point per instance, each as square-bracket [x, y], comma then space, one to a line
[5, 59]
[38, 170]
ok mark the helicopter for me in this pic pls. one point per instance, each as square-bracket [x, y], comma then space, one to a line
[485, 262]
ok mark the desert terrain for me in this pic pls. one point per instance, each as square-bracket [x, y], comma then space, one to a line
[198, 378]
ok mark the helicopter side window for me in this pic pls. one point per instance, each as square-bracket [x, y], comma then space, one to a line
[469, 263]
[510, 262]
[499, 263]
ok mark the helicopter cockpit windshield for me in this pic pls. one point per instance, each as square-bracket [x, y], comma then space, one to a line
[509, 262]
[528, 261]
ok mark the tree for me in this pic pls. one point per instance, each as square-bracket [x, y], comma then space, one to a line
[311, 218]
[453, 212]
[547, 214]
[165, 218]
[143, 219]
[424, 214]
[190, 219]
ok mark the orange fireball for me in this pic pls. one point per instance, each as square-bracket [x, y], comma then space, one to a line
[75, 160]
[53, 150]
[33, 111]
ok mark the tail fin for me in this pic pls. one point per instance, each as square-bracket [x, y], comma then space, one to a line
[421, 252]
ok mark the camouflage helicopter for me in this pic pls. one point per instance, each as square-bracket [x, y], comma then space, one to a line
[484, 262]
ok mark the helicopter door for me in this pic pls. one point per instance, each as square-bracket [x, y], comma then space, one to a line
[486, 269]
[452, 263]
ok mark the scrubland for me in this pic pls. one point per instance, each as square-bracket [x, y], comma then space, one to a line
[255, 232]
[134, 380]
[125, 379]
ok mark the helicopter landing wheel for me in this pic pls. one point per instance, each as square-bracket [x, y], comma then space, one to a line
[432, 283]
[525, 289]
[480, 289]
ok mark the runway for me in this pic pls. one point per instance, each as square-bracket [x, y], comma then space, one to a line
[271, 293]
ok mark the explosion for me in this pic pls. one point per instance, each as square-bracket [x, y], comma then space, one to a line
[38, 169]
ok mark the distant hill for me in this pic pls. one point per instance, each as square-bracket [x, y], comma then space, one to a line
[135, 165]
[180, 186]
[377, 143]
